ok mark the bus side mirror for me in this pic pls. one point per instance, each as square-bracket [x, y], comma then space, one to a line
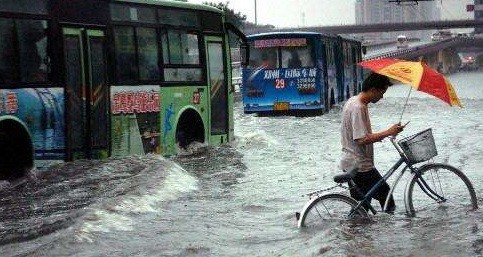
[244, 54]
[364, 50]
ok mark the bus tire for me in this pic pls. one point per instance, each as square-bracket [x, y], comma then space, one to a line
[190, 128]
[16, 150]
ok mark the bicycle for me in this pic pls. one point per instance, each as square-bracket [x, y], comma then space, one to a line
[429, 184]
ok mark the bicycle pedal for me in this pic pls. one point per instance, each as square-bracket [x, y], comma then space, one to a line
[297, 215]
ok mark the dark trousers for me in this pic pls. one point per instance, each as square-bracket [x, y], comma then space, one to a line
[365, 181]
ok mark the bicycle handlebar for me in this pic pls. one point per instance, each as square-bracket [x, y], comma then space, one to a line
[397, 146]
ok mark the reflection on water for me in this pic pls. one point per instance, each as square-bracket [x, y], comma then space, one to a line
[240, 199]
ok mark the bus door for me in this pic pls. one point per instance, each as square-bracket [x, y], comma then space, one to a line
[218, 88]
[86, 93]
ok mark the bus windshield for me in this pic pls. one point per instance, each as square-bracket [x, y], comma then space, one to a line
[299, 72]
[281, 53]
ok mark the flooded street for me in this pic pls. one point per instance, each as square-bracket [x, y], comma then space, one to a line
[240, 199]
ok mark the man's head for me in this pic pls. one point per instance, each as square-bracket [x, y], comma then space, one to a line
[375, 85]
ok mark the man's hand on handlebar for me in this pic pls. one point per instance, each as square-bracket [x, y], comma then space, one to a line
[396, 129]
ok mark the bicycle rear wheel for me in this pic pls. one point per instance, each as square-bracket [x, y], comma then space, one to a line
[456, 191]
[323, 209]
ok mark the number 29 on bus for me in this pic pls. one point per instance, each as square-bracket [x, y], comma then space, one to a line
[280, 83]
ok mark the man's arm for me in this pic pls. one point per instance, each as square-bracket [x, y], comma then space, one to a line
[379, 136]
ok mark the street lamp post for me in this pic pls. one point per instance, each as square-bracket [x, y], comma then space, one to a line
[256, 12]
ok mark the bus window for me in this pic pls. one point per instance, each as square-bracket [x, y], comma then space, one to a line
[33, 50]
[178, 18]
[8, 61]
[181, 49]
[129, 13]
[294, 61]
[24, 6]
[147, 54]
[24, 51]
[297, 57]
[125, 54]
[266, 58]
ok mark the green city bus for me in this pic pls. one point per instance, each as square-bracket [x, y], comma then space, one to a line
[90, 79]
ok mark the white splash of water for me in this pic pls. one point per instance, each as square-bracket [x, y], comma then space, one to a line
[117, 216]
[257, 137]
[194, 147]
[176, 183]
[103, 221]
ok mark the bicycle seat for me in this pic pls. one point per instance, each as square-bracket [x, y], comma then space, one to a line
[346, 176]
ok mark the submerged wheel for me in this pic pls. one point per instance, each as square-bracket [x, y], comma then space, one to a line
[447, 181]
[329, 208]
[189, 129]
[16, 149]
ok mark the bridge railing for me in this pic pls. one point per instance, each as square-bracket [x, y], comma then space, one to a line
[448, 64]
[419, 50]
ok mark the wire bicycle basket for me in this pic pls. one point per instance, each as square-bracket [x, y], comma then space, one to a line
[419, 147]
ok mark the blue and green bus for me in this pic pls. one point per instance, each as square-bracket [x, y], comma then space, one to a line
[299, 72]
[89, 79]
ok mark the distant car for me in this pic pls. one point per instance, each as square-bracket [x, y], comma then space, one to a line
[402, 42]
[436, 36]
[441, 35]
[468, 62]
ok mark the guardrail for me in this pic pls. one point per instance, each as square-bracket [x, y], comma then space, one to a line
[416, 51]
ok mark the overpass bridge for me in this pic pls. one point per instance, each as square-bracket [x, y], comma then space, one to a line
[379, 27]
[443, 55]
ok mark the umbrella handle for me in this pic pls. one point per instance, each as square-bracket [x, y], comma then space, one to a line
[404, 107]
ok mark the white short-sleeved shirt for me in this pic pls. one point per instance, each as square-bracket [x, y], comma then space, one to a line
[355, 125]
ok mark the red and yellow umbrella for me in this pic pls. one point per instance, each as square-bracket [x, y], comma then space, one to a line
[416, 74]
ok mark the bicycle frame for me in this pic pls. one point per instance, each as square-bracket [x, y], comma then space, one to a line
[384, 178]
[402, 160]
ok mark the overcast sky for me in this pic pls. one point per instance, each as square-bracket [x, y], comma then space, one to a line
[298, 13]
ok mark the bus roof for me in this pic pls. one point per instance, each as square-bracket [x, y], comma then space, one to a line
[172, 3]
[288, 33]
[277, 34]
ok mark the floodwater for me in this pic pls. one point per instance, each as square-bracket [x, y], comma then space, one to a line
[240, 199]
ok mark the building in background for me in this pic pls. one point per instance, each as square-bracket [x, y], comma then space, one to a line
[377, 11]
[478, 9]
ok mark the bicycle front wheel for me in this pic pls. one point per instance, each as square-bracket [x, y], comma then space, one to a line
[320, 211]
[455, 193]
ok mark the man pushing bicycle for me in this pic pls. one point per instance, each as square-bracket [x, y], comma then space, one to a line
[357, 140]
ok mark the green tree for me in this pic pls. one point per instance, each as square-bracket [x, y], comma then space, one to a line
[240, 20]
[236, 18]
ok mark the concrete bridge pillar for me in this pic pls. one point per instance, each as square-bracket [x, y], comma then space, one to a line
[441, 65]
[445, 60]
[432, 60]
[450, 60]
